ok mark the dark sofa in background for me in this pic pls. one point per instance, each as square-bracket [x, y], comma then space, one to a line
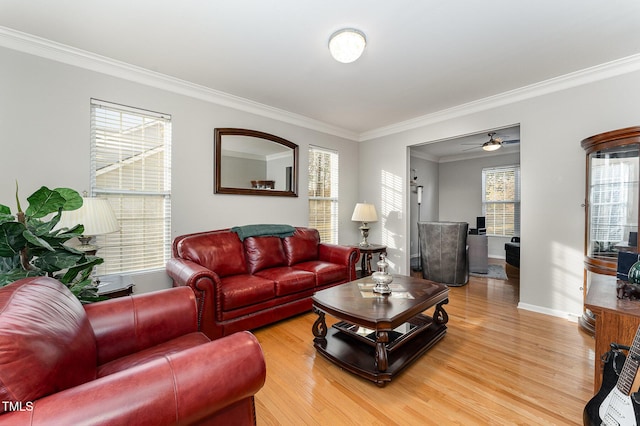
[245, 284]
[512, 257]
[512, 252]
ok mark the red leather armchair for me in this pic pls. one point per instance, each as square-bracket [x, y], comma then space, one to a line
[130, 361]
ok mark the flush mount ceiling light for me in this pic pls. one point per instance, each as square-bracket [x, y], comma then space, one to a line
[346, 45]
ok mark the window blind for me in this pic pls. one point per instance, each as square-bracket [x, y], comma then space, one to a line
[131, 167]
[501, 200]
[323, 193]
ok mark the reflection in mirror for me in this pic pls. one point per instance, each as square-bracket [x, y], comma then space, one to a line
[255, 163]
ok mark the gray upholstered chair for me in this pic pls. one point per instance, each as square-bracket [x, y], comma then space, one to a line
[444, 253]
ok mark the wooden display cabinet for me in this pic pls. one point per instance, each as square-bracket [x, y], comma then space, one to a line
[611, 207]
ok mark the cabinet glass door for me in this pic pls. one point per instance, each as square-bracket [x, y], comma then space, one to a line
[613, 202]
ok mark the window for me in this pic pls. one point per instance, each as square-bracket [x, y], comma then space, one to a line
[501, 200]
[131, 167]
[323, 193]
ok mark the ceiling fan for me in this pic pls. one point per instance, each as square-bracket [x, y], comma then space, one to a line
[494, 143]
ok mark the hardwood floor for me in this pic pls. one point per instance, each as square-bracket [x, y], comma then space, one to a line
[497, 365]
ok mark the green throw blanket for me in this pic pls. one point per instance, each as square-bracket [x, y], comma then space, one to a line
[263, 231]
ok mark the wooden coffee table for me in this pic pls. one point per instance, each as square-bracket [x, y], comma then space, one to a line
[377, 336]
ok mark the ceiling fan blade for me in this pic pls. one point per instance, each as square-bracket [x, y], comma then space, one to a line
[511, 142]
[470, 149]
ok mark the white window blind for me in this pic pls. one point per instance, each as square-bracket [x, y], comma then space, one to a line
[501, 200]
[131, 167]
[323, 193]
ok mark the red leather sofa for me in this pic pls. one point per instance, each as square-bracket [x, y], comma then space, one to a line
[242, 285]
[136, 360]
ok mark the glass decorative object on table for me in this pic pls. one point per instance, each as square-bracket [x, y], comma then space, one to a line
[381, 277]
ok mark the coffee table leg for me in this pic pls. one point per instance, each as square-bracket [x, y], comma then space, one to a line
[382, 338]
[440, 316]
[319, 328]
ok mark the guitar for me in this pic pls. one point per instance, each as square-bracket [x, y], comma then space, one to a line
[614, 404]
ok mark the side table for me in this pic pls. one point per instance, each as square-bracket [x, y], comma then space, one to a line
[113, 286]
[367, 253]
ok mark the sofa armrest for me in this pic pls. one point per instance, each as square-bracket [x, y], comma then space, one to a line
[342, 255]
[182, 388]
[130, 324]
[203, 282]
[184, 272]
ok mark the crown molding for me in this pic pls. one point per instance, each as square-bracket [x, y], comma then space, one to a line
[423, 156]
[556, 84]
[48, 49]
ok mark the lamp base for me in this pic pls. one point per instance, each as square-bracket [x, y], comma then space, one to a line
[86, 247]
[364, 230]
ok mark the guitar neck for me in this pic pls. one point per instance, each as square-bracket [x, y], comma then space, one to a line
[630, 368]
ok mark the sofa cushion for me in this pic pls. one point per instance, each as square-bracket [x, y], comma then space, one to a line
[302, 246]
[263, 252]
[242, 290]
[221, 252]
[46, 342]
[289, 280]
[162, 350]
[326, 273]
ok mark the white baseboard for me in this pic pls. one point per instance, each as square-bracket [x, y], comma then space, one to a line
[560, 314]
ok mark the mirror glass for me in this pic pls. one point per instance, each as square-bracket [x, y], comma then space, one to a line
[255, 163]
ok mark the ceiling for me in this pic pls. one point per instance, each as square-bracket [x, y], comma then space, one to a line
[421, 56]
[469, 146]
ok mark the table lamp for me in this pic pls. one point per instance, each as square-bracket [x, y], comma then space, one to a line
[98, 218]
[364, 213]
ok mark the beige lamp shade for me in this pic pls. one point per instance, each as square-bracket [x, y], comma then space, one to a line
[364, 213]
[96, 215]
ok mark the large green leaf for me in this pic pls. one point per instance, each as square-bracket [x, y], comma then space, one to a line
[87, 265]
[86, 291]
[42, 228]
[67, 234]
[43, 202]
[55, 261]
[8, 263]
[37, 241]
[4, 209]
[73, 200]
[15, 275]
[7, 217]
[11, 238]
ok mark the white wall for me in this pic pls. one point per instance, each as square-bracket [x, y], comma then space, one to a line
[553, 180]
[44, 117]
[428, 176]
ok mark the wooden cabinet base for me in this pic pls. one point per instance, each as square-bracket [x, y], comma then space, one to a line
[616, 320]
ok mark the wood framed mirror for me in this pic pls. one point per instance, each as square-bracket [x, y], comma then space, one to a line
[249, 162]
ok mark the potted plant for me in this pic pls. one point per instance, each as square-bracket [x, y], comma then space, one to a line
[31, 246]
